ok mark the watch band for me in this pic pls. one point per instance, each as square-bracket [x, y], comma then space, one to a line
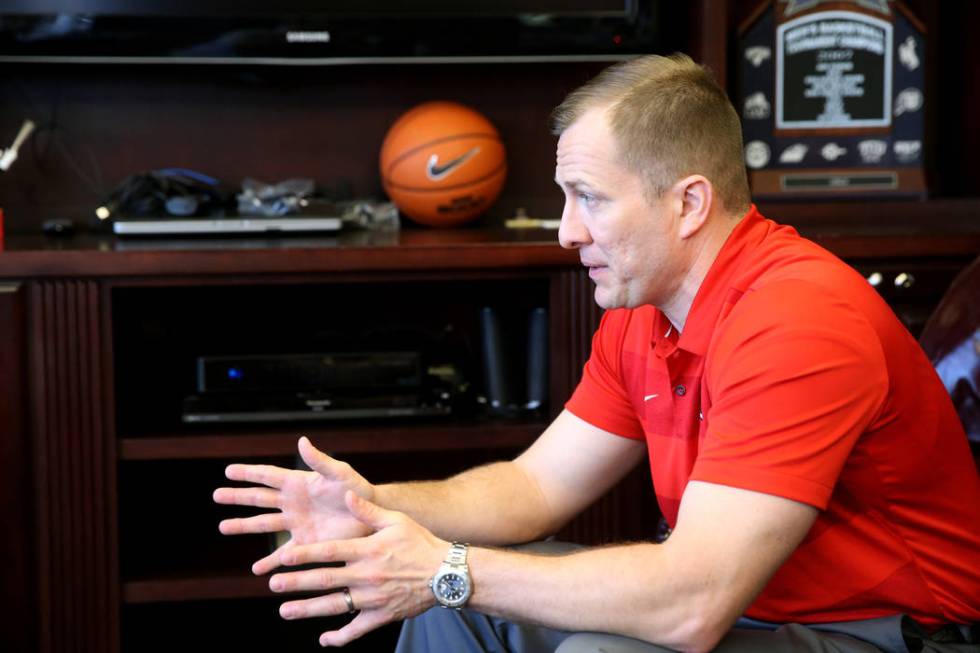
[451, 584]
[457, 554]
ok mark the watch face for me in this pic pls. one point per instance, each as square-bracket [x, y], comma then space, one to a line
[452, 587]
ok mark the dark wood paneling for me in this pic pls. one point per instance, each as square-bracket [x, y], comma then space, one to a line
[71, 450]
[397, 438]
[575, 319]
[628, 511]
[709, 36]
[18, 618]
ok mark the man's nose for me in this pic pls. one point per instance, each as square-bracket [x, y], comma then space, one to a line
[572, 232]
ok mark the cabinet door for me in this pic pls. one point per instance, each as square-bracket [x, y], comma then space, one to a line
[71, 446]
[17, 620]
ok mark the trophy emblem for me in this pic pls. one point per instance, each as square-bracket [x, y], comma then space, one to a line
[836, 91]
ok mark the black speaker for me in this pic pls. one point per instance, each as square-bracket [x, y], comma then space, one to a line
[537, 359]
[494, 368]
[508, 394]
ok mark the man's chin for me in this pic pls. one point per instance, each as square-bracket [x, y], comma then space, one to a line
[605, 300]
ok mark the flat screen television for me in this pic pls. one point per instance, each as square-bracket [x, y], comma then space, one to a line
[295, 32]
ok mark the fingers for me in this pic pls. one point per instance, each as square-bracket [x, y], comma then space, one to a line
[365, 602]
[319, 461]
[322, 578]
[362, 624]
[269, 475]
[271, 561]
[272, 522]
[329, 551]
[259, 497]
[324, 606]
[369, 513]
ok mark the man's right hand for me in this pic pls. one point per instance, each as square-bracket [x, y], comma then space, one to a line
[311, 504]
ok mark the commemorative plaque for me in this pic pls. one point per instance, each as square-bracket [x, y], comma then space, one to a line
[831, 96]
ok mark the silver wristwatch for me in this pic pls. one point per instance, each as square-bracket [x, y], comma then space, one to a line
[451, 585]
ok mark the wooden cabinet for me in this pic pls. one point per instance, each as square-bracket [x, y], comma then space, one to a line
[117, 505]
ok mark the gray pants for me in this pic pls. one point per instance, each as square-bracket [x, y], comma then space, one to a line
[465, 631]
[440, 630]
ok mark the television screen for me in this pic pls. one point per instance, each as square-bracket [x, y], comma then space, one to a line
[345, 31]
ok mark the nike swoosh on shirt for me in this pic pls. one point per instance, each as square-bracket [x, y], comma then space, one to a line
[436, 172]
[649, 397]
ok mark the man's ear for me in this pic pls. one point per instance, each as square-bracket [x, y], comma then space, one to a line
[695, 195]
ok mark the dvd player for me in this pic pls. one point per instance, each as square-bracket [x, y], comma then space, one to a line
[316, 386]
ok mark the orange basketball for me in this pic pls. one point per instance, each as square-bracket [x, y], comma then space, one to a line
[442, 163]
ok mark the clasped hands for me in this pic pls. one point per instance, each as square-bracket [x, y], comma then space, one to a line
[387, 557]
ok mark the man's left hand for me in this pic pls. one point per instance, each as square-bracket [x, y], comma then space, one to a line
[387, 573]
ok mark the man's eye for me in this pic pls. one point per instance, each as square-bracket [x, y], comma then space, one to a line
[587, 198]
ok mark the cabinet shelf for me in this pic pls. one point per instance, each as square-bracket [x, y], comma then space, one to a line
[941, 227]
[936, 215]
[201, 587]
[198, 588]
[904, 228]
[347, 439]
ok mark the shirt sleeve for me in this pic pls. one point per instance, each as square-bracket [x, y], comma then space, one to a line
[601, 398]
[795, 376]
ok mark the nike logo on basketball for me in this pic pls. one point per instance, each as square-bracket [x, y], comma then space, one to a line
[436, 172]
[649, 397]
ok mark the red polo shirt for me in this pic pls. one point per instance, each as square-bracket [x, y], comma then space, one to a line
[794, 378]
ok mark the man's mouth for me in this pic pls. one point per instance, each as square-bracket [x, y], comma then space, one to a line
[594, 268]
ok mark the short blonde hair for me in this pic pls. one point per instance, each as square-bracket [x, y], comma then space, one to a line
[670, 119]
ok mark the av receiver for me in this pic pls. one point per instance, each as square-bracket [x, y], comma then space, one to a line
[310, 372]
[318, 386]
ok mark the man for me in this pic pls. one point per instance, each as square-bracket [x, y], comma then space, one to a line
[803, 452]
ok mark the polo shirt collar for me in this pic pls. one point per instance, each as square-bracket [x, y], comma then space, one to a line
[714, 290]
